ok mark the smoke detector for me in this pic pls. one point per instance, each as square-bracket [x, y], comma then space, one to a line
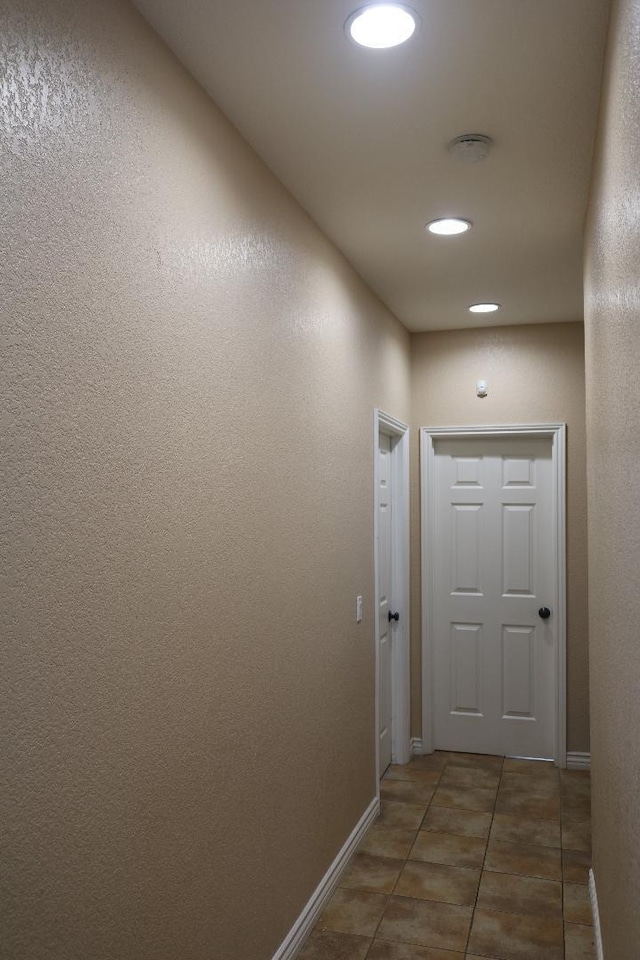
[471, 147]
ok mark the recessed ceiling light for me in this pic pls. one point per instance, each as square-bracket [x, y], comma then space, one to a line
[381, 25]
[484, 307]
[449, 226]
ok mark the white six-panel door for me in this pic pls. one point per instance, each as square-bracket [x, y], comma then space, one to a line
[384, 593]
[494, 658]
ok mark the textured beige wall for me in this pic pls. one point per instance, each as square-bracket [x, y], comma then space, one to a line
[535, 375]
[190, 373]
[612, 327]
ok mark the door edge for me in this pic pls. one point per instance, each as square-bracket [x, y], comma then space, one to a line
[387, 425]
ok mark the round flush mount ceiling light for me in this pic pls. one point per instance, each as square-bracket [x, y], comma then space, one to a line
[449, 226]
[484, 307]
[381, 25]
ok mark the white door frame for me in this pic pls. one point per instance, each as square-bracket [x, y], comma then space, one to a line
[400, 698]
[556, 432]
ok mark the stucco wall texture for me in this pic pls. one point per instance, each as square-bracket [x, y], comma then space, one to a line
[190, 373]
[612, 327]
[535, 375]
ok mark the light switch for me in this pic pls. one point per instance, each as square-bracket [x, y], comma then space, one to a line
[358, 609]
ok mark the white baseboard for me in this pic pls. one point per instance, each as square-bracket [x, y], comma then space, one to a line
[593, 896]
[294, 941]
[578, 761]
[575, 760]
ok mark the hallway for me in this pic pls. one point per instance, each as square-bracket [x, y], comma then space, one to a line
[191, 370]
[472, 857]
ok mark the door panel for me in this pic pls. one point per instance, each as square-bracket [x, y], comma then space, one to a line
[493, 657]
[466, 573]
[518, 560]
[518, 664]
[466, 656]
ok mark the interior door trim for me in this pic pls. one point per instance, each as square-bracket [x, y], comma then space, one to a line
[400, 677]
[556, 432]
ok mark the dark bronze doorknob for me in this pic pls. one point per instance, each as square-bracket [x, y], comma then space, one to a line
[393, 616]
[544, 613]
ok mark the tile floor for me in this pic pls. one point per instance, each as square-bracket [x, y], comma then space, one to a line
[472, 857]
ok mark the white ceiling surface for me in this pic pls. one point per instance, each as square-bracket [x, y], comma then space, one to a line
[360, 138]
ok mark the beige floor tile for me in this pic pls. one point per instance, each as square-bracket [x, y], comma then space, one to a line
[487, 761]
[465, 823]
[575, 808]
[334, 946]
[577, 905]
[527, 805]
[436, 881]
[432, 761]
[397, 814]
[540, 768]
[510, 829]
[481, 799]
[390, 950]
[413, 773]
[431, 924]
[578, 942]
[523, 895]
[516, 937]
[406, 791]
[576, 835]
[575, 866]
[387, 842]
[421, 909]
[575, 782]
[373, 874]
[470, 776]
[523, 859]
[530, 784]
[352, 911]
[456, 851]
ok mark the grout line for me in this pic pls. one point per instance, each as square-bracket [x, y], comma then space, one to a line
[484, 860]
[404, 863]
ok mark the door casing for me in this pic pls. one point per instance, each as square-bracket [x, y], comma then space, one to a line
[400, 681]
[556, 432]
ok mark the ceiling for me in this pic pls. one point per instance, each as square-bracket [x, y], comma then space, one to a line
[360, 138]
